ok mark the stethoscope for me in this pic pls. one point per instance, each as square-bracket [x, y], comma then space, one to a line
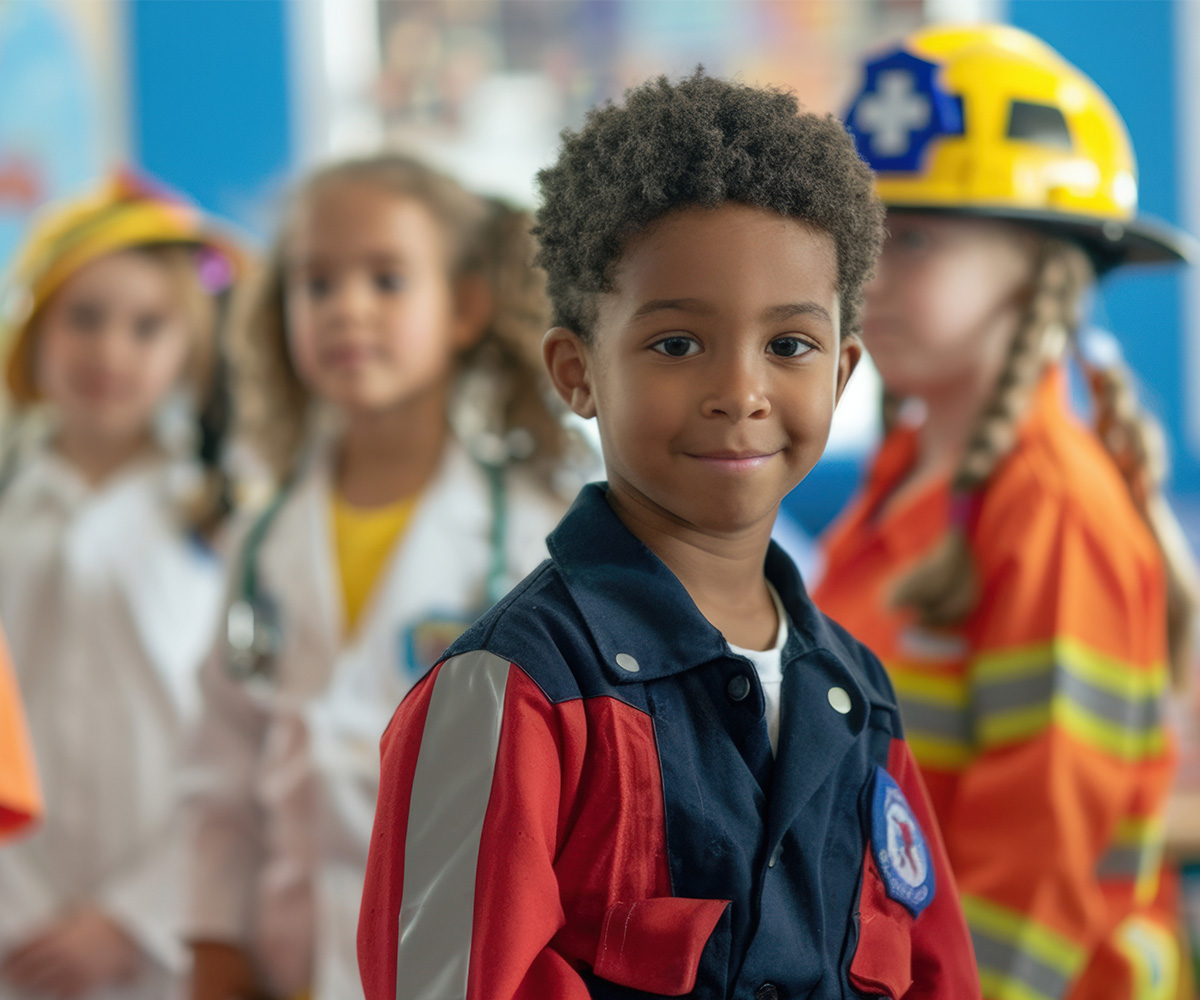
[253, 629]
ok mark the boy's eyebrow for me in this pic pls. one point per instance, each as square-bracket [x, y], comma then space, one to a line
[775, 314]
[683, 305]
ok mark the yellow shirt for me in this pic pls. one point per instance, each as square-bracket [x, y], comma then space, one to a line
[364, 538]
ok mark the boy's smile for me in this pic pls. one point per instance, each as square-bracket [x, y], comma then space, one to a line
[714, 366]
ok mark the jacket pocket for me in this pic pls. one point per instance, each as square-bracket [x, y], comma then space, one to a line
[882, 964]
[657, 945]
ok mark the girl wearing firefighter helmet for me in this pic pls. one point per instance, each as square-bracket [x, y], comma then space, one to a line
[1018, 572]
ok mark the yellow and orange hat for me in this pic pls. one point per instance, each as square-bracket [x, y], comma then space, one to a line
[987, 120]
[128, 210]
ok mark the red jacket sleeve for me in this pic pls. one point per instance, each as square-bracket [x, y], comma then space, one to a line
[910, 946]
[461, 896]
[943, 960]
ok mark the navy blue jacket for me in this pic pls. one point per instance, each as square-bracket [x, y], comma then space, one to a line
[581, 800]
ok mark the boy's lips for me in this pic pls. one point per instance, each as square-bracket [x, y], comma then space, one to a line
[734, 461]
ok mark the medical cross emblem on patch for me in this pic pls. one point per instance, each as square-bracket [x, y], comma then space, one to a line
[899, 846]
[899, 111]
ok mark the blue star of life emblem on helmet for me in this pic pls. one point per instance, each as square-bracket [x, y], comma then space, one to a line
[899, 111]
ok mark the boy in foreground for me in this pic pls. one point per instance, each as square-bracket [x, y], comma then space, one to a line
[655, 769]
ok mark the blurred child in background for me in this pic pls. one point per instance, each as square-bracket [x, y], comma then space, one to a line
[109, 592]
[390, 372]
[1019, 573]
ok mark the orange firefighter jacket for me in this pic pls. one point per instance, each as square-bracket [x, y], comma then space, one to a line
[20, 798]
[1037, 724]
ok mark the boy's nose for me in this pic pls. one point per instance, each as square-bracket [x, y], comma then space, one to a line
[738, 393]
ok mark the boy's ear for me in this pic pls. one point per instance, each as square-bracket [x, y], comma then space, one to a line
[473, 310]
[849, 355]
[569, 363]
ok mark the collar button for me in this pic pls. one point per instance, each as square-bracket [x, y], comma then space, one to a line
[738, 688]
[839, 700]
[628, 663]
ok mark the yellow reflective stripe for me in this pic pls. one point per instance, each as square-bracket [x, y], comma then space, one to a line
[1010, 727]
[997, 986]
[1113, 705]
[936, 716]
[1118, 676]
[1115, 675]
[1018, 958]
[917, 682]
[1135, 855]
[939, 754]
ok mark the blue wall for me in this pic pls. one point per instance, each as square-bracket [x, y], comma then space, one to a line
[1128, 48]
[210, 102]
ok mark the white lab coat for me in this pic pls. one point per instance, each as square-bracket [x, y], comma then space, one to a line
[109, 609]
[284, 774]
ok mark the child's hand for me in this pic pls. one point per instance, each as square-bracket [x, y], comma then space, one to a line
[222, 972]
[73, 956]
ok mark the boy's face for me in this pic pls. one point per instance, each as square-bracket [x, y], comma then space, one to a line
[715, 365]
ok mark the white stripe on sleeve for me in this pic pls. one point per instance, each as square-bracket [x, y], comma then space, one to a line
[450, 792]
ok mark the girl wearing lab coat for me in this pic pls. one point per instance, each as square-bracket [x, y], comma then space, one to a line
[390, 374]
[109, 590]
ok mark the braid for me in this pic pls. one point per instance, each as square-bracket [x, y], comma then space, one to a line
[943, 590]
[1134, 440]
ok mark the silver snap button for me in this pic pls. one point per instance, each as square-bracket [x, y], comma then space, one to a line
[839, 699]
[738, 687]
[627, 663]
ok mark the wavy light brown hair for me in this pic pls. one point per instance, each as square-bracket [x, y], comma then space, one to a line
[943, 590]
[489, 239]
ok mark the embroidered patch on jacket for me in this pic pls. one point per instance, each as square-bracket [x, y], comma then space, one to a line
[422, 644]
[899, 845]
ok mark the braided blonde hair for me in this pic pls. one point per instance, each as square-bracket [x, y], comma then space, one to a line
[489, 239]
[943, 590]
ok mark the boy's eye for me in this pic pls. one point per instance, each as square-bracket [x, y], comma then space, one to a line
[676, 347]
[789, 347]
[389, 281]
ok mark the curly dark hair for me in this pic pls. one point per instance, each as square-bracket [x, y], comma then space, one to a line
[699, 142]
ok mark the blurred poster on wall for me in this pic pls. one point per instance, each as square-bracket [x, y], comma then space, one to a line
[57, 119]
[485, 86]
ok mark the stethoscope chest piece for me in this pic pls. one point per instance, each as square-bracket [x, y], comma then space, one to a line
[254, 636]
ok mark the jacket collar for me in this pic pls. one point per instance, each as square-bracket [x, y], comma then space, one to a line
[634, 606]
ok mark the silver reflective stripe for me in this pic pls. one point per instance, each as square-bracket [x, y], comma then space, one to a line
[941, 721]
[1002, 696]
[1007, 960]
[450, 792]
[1122, 863]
